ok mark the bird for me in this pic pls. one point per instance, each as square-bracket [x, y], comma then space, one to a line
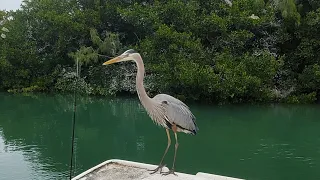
[164, 110]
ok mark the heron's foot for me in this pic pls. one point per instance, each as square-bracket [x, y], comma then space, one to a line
[157, 169]
[169, 172]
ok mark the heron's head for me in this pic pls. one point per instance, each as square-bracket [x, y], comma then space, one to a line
[126, 56]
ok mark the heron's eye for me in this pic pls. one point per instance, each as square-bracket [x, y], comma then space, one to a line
[165, 102]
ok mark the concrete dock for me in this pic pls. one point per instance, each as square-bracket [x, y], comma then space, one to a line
[115, 169]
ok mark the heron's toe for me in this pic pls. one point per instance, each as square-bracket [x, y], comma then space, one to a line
[157, 169]
[169, 172]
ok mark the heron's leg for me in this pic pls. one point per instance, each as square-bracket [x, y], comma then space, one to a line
[175, 150]
[175, 154]
[165, 152]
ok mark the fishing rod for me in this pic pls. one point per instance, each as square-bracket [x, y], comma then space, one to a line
[74, 121]
[74, 115]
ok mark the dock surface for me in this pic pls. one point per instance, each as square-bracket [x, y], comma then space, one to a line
[115, 169]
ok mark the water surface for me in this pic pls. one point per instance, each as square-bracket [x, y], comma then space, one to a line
[248, 141]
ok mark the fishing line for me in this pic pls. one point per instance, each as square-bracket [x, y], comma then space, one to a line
[74, 122]
[104, 56]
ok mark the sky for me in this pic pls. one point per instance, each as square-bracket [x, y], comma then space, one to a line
[10, 4]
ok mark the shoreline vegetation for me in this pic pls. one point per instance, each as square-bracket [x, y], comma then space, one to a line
[244, 51]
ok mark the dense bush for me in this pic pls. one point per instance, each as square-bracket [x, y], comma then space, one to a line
[250, 51]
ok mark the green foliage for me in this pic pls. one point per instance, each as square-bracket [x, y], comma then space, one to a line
[252, 51]
[301, 99]
[110, 45]
[309, 79]
[84, 55]
[166, 54]
[289, 11]
[69, 82]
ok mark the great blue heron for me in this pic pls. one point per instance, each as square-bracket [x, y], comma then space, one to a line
[163, 109]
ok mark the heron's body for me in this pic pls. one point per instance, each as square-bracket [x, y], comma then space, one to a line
[172, 111]
[164, 110]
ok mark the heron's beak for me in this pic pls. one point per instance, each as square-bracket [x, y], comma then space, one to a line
[111, 61]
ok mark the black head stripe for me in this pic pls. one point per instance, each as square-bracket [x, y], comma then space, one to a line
[130, 51]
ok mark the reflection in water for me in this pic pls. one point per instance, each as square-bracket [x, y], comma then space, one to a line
[18, 161]
[253, 142]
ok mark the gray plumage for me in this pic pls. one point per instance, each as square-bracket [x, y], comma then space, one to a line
[176, 112]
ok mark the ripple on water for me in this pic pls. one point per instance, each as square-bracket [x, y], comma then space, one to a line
[280, 151]
[15, 156]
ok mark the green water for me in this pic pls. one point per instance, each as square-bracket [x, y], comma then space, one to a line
[254, 142]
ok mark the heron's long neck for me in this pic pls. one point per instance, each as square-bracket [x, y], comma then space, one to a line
[144, 98]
